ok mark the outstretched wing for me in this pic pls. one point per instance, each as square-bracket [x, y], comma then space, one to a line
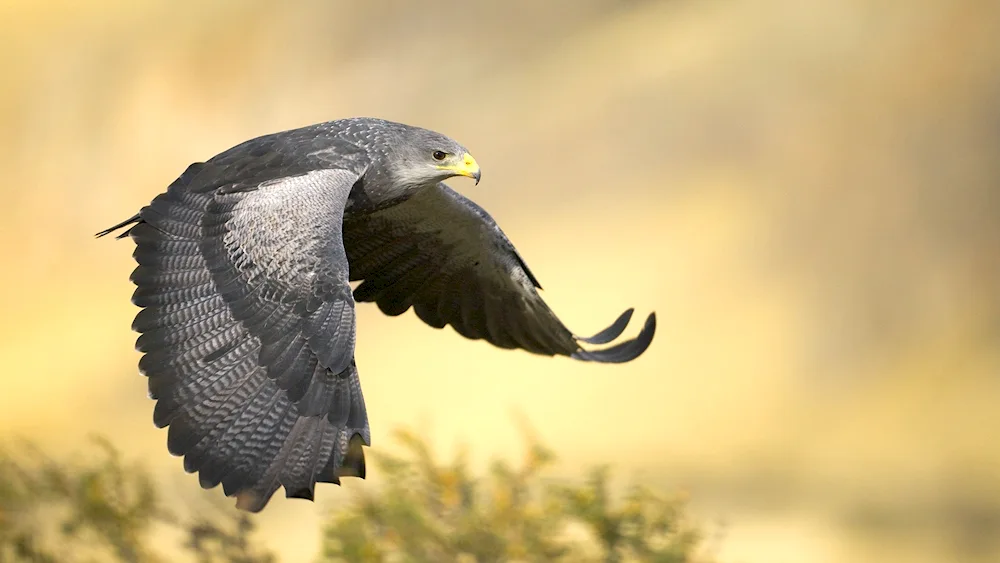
[248, 328]
[444, 256]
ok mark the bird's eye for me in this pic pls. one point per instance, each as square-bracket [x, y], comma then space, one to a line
[439, 155]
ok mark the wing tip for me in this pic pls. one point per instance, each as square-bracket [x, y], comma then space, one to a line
[133, 219]
[251, 500]
[306, 493]
[624, 351]
[253, 497]
[611, 332]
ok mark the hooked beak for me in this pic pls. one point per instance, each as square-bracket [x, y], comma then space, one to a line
[468, 167]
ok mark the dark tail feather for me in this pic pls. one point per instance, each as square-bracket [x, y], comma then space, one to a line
[133, 219]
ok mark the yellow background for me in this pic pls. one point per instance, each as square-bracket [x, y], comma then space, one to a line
[805, 192]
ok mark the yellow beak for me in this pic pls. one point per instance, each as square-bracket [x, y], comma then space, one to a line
[468, 167]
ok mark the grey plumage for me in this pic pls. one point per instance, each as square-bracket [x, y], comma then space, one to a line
[247, 325]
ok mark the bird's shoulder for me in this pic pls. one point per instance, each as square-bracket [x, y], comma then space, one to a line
[274, 157]
[455, 221]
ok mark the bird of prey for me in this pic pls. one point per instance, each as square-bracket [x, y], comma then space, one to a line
[247, 320]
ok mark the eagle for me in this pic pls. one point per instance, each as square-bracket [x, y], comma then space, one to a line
[247, 321]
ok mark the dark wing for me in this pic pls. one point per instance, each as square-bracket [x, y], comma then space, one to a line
[445, 256]
[248, 329]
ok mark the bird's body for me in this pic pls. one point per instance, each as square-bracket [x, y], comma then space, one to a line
[248, 326]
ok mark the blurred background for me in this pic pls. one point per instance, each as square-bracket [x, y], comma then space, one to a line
[807, 194]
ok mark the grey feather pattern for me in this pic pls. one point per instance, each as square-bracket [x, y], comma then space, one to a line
[248, 327]
[445, 257]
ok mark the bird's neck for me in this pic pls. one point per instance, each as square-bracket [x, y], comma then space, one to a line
[375, 191]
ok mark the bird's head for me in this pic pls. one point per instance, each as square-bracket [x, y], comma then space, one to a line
[426, 157]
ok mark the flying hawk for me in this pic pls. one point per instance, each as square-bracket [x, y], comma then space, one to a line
[247, 326]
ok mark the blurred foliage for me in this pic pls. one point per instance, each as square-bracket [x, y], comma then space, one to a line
[430, 511]
[105, 509]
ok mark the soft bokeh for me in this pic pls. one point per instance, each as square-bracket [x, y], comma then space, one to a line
[807, 194]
